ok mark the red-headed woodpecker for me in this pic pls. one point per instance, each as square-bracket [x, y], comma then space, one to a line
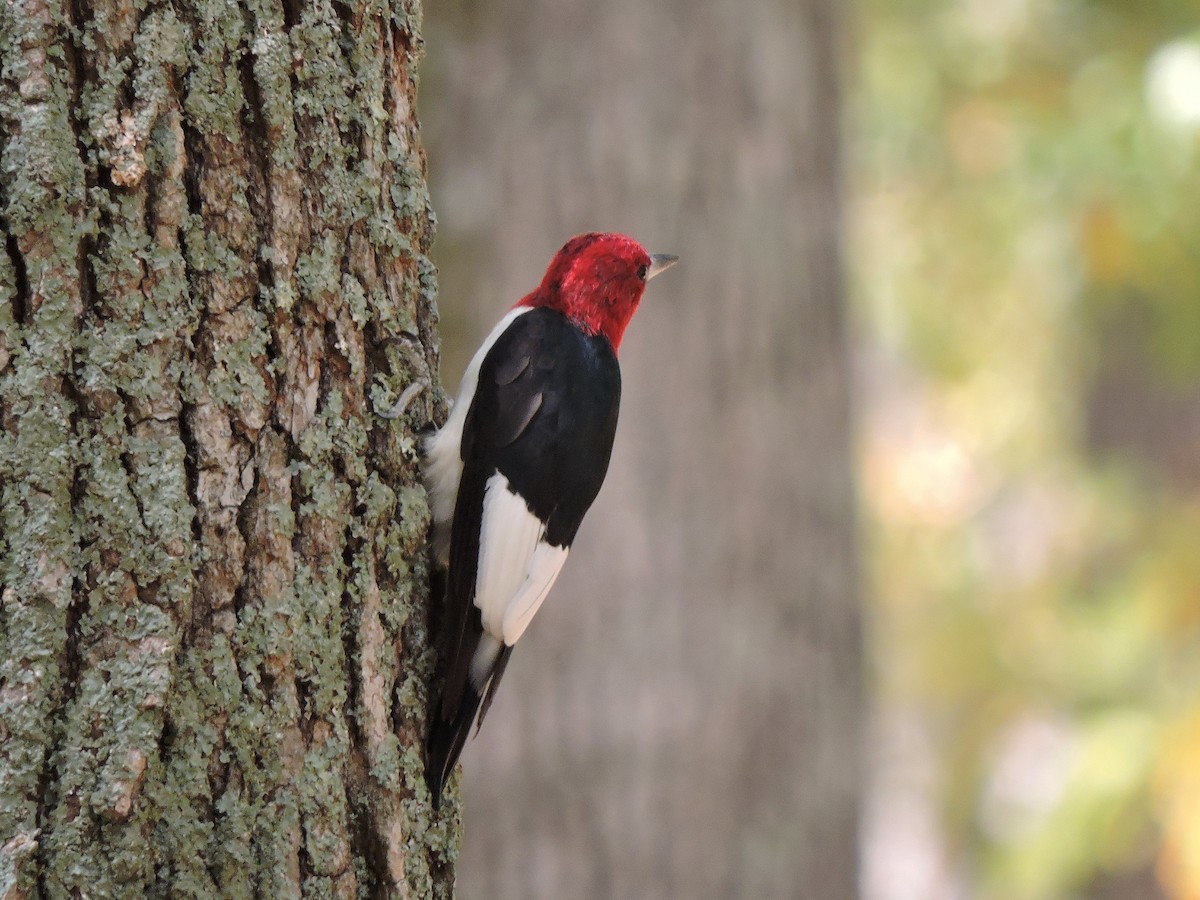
[519, 462]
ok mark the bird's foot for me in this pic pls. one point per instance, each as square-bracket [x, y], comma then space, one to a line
[400, 407]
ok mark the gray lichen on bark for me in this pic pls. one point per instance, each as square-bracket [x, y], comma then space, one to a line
[213, 631]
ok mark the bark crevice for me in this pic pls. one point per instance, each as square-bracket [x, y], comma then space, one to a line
[20, 295]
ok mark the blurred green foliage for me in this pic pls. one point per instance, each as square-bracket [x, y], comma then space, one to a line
[1026, 263]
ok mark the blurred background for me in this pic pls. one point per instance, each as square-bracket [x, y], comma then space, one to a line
[894, 589]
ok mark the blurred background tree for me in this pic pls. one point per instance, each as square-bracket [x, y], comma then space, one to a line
[683, 718]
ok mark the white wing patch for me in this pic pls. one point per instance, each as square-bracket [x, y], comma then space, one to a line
[544, 566]
[508, 535]
[517, 567]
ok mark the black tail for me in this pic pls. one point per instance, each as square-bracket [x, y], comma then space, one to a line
[446, 740]
[451, 730]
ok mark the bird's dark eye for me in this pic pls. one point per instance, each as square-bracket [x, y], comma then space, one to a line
[642, 270]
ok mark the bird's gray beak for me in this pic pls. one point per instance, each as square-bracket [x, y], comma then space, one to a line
[660, 262]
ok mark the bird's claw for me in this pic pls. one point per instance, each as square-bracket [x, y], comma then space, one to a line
[407, 396]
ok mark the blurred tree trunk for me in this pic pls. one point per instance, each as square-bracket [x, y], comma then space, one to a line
[683, 719]
[213, 648]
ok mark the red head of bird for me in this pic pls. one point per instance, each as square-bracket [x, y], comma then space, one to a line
[597, 280]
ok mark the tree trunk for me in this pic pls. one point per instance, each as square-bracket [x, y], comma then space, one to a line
[683, 717]
[214, 634]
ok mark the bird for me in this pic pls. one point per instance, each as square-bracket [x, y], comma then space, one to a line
[518, 463]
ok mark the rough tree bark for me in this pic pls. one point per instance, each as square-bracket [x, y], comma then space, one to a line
[682, 719]
[213, 634]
